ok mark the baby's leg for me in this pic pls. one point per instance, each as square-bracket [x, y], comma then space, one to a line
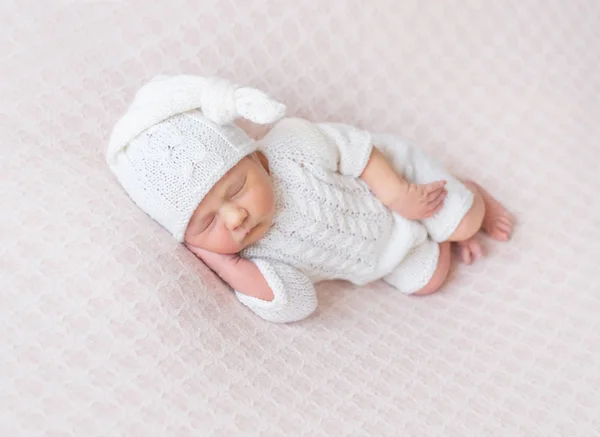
[487, 214]
[473, 218]
[467, 208]
[424, 269]
[418, 167]
[441, 272]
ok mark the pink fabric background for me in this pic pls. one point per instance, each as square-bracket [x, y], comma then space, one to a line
[108, 327]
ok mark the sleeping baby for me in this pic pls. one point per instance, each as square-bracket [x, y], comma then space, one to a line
[306, 203]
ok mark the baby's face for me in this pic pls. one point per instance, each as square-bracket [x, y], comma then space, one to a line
[236, 212]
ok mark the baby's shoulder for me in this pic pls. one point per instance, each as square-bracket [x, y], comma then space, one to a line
[299, 140]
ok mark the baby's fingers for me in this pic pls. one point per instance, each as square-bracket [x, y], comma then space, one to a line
[436, 205]
[434, 186]
[434, 195]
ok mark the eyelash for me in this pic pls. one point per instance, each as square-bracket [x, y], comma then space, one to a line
[205, 228]
[241, 188]
[214, 217]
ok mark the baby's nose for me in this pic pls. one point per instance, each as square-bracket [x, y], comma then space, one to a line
[234, 216]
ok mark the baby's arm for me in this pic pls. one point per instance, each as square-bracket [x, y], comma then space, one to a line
[274, 291]
[411, 201]
[295, 296]
[357, 157]
[241, 274]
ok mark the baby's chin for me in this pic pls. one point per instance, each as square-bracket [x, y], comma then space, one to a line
[256, 234]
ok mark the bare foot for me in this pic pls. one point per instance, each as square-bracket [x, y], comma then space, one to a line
[497, 222]
[470, 250]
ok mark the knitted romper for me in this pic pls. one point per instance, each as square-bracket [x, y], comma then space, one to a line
[329, 225]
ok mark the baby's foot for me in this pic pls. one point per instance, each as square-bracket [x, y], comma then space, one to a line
[497, 222]
[470, 250]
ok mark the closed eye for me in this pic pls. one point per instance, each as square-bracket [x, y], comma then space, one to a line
[206, 222]
[238, 187]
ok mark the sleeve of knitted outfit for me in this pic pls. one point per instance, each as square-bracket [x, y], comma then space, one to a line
[354, 146]
[294, 294]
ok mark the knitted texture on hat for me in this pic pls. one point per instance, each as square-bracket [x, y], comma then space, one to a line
[176, 140]
[170, 167]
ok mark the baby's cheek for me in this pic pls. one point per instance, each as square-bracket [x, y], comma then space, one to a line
[262, 200]
[222, 241]
[270, 203]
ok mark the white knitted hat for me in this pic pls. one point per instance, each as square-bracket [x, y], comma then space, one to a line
[177, 139]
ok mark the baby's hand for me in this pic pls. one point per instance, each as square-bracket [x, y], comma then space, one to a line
[217, 262]
[419, 202]
[241, 274]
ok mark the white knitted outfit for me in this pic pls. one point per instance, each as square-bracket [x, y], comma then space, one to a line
[329, 225]
[176, 140]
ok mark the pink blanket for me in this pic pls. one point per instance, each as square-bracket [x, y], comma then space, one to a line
[109, 328]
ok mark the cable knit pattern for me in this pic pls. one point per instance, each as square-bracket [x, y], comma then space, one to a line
[328, 224]
[176, 140]
[352, 159]
[169, 168]
[109, 328]
[414, 272]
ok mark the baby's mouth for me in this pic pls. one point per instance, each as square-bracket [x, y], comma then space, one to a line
[251, 230]
[246, 233]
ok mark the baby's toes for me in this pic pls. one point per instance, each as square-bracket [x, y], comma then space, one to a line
[500, 235]
[505, 226]
[465, 254]
[498, 230]
[476, 248]
[470, 250]
[506, 220]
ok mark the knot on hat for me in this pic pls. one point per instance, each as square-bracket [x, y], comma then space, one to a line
[176, 141]
[217, 101]
[222, 102]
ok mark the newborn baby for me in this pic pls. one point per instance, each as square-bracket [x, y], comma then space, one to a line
[308, 202]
